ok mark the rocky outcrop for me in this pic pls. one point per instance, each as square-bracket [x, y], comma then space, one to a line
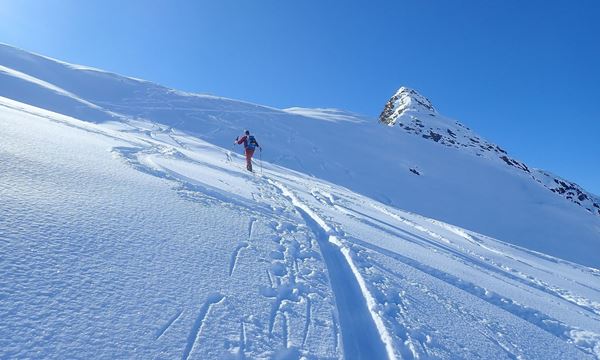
[416, 115]
[568, 190]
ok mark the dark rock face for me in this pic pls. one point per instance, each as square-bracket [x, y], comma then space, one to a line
[570, 191]
[386, 115]
[416, 115]
[405, 99]
[514, 163]
[433, 136]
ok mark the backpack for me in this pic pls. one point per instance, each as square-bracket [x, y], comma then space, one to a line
[251, 142]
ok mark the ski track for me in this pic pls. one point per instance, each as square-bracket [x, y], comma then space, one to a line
[494, 268]
[235, 255]
[336, 330]
[168, 324]
[275, 308]
[242, 346]
[327, 238]
[285, 329]
[355, 304]
[491, 331]
[307, 322]
[196, 330]
[340, 264]
[187, 188]
[251, 227]
[533, 316]
[469, 258]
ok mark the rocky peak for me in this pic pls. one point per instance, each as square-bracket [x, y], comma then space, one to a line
[415, 114]
[405, 100]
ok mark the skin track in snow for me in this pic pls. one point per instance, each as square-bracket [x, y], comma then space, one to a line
[360, 337]
[363, 333]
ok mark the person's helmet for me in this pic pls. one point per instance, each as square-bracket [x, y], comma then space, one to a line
[247, 132]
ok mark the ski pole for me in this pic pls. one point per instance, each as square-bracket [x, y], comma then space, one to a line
[261, 166]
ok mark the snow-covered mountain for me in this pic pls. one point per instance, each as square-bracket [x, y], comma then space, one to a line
[130, 229]
[416, 115]
[474, 189]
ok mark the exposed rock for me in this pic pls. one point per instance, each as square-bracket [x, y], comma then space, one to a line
[416, 115]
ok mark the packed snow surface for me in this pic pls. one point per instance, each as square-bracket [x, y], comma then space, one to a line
[123, 241]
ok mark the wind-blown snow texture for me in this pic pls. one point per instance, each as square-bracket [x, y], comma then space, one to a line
[126, 236]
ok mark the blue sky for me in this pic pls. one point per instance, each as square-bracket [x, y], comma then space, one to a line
[524, 74]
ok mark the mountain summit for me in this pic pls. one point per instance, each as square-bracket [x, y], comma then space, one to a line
[416, 115]
[404, 102]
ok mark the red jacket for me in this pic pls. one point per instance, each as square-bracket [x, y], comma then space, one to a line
[244, 139]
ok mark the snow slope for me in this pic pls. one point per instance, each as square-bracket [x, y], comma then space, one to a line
[122, 241]
[466, 186]
[416, 115]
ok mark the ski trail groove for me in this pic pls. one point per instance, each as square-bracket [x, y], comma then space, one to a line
[235, 255]
[166, 327]
[242, 350]
[493, 267]
[251, 227]
[285, 327]
[275, 311]
[271, 283]
[336, 330]
[533, 316]
[307, 323]
[196, 330]
[364, 334]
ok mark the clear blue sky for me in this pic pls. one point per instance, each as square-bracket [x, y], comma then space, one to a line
[524, 74]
